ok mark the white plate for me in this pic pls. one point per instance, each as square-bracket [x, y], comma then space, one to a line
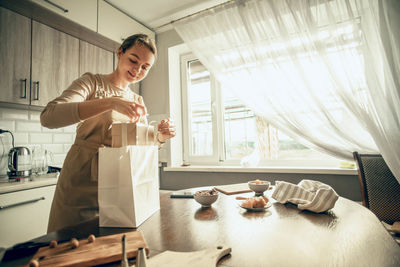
[258, 209]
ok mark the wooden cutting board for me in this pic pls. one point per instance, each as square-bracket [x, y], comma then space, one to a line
[203, 258]
[232, 189]
[103, 250]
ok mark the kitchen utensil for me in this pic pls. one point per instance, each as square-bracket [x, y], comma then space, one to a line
[141, 259]
[232, 189]
[104, 249]
[124, 261]
[19, 162]
[203, 258]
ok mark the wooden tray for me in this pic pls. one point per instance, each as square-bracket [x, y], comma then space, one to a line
[103, 250]
[232, 189]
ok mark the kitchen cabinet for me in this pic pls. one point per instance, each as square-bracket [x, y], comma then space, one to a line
[24, 214]
[116, 25]
[55, 60]
[94, 59]
[55, 63]
[15, 52]
[81, 12]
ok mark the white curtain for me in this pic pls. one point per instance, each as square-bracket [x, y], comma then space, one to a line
[325, 72]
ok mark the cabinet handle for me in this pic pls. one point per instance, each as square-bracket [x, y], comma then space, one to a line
[57, 6]
[37, 91]
[24, 95]
[21, 203]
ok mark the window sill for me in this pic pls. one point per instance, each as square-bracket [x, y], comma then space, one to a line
[297, 170]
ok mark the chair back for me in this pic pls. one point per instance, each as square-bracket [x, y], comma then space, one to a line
[380, 190]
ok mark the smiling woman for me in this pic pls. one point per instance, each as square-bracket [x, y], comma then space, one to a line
[95, 101]
[134, 60]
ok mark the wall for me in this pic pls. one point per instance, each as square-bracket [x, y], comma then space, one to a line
[345, 185]
[155, 87]
[27, 131]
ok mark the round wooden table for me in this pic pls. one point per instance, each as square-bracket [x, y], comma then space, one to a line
[347, 235]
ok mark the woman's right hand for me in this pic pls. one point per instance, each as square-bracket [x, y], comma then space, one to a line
[129, 108]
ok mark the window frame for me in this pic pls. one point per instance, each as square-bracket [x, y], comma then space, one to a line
[217, 108]
[185, 59]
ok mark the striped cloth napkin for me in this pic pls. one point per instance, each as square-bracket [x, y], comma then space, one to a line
[308, 195]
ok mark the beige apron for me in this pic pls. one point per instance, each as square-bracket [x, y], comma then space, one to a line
[75, 198]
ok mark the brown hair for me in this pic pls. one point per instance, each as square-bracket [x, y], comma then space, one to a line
[140, 39]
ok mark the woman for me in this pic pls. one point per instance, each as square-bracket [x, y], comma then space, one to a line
[95, 102]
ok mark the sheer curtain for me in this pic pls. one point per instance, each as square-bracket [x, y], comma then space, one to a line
[326, 72]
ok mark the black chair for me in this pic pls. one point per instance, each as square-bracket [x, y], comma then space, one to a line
[380, 190]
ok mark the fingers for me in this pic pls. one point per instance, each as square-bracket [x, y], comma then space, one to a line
[139, 109]
[167, 128]
[129, 108]
[170, 132]
[166, 124]
[136, 111]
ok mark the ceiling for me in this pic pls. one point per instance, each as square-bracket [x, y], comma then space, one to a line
[157, 14]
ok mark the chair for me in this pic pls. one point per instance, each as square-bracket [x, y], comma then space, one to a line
[380, 190]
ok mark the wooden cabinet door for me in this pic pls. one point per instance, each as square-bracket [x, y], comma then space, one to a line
[15, 50]
[55, 63]
[94, 59]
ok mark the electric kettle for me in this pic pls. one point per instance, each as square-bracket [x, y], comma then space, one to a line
[19, 162]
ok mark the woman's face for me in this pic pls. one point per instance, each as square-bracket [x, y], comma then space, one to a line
[134, 64]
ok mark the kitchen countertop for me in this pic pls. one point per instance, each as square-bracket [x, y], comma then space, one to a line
[34, 181]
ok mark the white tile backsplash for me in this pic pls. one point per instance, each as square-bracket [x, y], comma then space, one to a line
[55, 148]
[27, 131]
[15, 114]
[70, 129]
[62, 138]
[47, 130]
[27, 126]
[7, 125]
[59, 158]
[34, 116]
[40, 138]
[67, 147]
[20, 138]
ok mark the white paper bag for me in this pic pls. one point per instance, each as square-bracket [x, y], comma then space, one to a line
[128, 185]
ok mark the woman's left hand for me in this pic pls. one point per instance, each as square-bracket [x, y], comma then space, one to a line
[166, 130]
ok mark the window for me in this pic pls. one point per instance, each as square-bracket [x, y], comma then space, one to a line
[222, 130]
